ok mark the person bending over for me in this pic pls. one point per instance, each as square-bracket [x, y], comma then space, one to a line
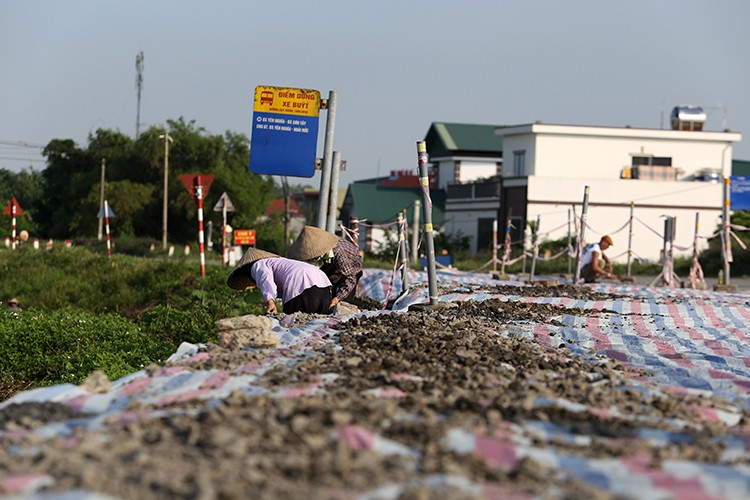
[594, 263]
[301, 286]
[337, 257]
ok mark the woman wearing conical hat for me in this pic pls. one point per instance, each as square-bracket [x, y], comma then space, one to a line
[337, 257]
[301, 286]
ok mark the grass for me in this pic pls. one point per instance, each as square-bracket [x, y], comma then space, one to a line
[83, 311]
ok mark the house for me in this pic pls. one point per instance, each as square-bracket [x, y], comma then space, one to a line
[656, 172]
[467, 161]
[377, 203]
[309, 201]
[462, 152]
[279, 207]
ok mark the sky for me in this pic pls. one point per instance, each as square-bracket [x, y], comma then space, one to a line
[67, 68]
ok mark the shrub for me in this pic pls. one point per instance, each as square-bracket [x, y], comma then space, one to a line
[53, 347]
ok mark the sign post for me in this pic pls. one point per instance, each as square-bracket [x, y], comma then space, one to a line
[224, 205]
[197, 185]
[285, 131]
[14, 210]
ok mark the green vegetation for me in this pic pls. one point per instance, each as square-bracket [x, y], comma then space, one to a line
[63, 200]
[83, 312]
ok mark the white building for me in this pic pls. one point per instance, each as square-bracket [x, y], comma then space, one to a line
[547, 167]
[467, 161]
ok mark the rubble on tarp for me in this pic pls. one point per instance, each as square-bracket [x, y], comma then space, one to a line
[512, 391]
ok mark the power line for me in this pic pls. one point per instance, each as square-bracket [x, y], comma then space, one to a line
[10, 158]
[22, 144]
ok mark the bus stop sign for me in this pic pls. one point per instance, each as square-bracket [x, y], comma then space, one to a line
[739, 192]
[285, 131]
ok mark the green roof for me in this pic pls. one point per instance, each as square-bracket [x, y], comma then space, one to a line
[381, 205]
[451, 139]
[741, 167]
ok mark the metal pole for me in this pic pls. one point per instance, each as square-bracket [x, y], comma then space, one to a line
[167, 138]
[101, 202]
[727, 249]
[427, 227]
[570, 261]
[199, 197]
[333, 197]
[494, 246]
[325, 177]
[287, 217]
[695, 237]
[535, 242]
[106, 218]
[630, 236]
[415, 232]
[402, 250]
[224, 235]
[581, 233]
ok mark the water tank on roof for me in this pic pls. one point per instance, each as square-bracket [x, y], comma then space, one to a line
[688, 118]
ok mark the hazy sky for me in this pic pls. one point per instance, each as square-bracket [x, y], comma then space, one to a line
[68, 67]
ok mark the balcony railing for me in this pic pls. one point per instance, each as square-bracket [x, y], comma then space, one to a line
[477, 190]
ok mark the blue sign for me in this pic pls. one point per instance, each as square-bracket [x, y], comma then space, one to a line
[285, 131]
[739, 193]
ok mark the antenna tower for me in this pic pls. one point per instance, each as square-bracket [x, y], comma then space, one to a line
[138, 86]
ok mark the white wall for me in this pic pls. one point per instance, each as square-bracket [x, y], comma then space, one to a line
[609, 211]
[446, 172]
[463, 216]
[473, 170]
[470, 169]
[601, 153]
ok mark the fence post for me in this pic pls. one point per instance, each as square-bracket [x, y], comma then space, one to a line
[494, 246]
[630, 237]
[726, 232]
[402, 250]
[581, 233]
[428, 236]
[569, 245]
[506, 242]
[415, 232]
[535, 243]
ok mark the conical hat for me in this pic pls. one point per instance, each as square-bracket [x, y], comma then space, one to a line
[312, 243]
[240, 278]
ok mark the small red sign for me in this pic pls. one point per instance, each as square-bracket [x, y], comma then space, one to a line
[190, 181]
[13, 202]
[244, 236]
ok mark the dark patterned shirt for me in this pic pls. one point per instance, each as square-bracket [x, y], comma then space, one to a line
[345, 269]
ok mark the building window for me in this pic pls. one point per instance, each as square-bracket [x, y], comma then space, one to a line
[653, 161]
[519, 163]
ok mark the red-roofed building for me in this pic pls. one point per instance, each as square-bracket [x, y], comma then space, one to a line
[296, 215]
[277, 207]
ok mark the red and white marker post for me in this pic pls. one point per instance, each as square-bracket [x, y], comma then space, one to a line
[197, 185]
[199, 199]
[106, 224]
[13, 230]
[14, 210]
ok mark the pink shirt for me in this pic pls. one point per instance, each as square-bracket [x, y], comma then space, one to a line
[286, 277]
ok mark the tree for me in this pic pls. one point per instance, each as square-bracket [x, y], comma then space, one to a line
[134, 182]
[27, 187]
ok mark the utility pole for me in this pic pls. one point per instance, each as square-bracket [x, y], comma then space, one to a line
[167, 140]
[101, 202]
[138, 86]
